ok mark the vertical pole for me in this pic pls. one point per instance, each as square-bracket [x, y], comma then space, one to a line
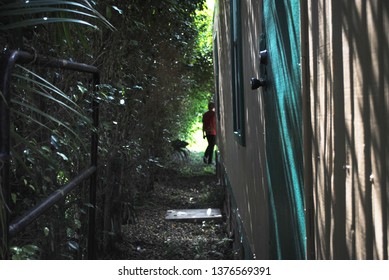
[307, 133]
[93, 179]
[7, 62]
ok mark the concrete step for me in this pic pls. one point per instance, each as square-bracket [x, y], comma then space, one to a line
[193, 215]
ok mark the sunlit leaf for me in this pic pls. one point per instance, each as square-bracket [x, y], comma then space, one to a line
[118, 10]
[46, 231]
[32, 22]
[64, 157]
[74, 245]
[82, 89]
[51, 7]
[10, 12]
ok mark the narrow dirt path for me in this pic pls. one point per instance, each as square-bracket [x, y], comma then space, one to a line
[152, 237]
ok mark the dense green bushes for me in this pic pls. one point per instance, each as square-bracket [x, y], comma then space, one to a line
[156, 77]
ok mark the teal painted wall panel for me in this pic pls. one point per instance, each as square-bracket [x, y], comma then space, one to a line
[283, 113]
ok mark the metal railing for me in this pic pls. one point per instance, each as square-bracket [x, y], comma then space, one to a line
[7, 62]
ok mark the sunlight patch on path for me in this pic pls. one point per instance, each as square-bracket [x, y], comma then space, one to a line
[197, 143]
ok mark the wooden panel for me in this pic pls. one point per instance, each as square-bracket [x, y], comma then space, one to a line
[349, 56]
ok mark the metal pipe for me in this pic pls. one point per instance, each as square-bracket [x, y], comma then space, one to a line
[39, 209]
[23, 57]
[93, 179]
[7, 63]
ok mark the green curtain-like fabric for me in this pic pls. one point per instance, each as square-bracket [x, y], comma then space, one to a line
[283, 112]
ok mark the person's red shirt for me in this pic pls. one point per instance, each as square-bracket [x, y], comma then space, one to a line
[209, 123]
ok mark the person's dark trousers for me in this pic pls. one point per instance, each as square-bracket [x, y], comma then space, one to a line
[211, 145]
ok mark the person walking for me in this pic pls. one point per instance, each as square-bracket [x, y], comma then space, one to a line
[209, 132]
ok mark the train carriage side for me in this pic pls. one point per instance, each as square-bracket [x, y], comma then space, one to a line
[328, 200]
[260, 130]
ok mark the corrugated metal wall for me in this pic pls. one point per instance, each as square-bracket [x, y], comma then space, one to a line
[348, 86]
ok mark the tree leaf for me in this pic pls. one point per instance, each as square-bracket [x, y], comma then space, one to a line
[64, 157]
[44, 20]
[73, 245]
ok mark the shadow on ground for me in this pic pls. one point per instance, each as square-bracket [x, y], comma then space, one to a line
[193, 185]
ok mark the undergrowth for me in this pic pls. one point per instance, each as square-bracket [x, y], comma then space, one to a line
[193, 185]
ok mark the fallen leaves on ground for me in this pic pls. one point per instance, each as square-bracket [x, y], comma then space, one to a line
[154, 238]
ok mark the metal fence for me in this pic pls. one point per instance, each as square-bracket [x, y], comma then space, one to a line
[12, 227]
